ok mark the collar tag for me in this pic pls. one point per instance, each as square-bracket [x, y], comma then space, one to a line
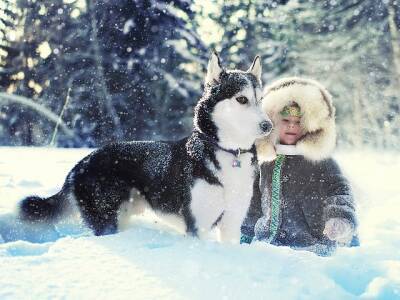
[236, 161]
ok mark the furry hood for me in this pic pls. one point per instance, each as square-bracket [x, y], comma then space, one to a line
[317, 122]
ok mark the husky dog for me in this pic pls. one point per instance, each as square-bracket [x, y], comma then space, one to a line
[205, 179]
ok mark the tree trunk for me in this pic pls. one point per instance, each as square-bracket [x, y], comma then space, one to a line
[105, 96]
[395, 41]
[358, 139]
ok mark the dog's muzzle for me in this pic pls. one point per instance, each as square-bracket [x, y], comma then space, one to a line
[266, 127]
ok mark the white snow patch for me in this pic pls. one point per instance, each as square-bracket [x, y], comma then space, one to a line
[128, 25]
[152, 261]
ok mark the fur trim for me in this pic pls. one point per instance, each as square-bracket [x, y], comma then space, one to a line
[318, 121]
[265, 149]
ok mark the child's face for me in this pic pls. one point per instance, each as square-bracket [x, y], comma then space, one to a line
[289, 130]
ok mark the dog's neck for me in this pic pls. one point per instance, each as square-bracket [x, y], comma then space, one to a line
[214, 142]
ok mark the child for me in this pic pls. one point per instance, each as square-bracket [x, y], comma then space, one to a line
[303, 200]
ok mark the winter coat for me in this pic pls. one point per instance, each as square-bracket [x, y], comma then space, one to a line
[311, 194]
[312, 186]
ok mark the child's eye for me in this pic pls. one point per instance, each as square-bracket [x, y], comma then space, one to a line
[285, 120]
[297, 122]
[242, 100]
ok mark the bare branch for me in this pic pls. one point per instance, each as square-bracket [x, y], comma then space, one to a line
[4, 97]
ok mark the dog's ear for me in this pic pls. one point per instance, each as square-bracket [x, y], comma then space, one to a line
[256, 68]
[214, 68]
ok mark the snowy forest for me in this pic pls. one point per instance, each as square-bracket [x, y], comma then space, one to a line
[78, 74]
[81, 73]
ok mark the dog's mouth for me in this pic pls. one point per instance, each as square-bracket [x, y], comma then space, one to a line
[264, 134]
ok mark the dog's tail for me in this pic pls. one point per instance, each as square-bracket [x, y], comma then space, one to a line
[36, 209]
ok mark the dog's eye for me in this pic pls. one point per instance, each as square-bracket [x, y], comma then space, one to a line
[242, 100]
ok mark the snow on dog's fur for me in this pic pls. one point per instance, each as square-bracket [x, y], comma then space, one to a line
[205, 179]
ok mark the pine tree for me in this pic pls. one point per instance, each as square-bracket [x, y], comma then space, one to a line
[148, 51]
[129, 67]
[248, 28]
[8, 24]
[17, 75]
[345, 45]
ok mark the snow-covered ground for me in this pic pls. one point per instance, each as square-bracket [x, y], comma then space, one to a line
[150, 260]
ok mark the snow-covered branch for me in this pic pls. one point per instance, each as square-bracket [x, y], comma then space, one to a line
[4, 97]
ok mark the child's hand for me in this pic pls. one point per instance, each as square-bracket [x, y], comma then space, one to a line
[339, 229]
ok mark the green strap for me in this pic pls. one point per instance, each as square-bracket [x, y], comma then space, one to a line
[275, 197]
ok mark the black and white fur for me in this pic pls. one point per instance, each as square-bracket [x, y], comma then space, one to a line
[192, 178]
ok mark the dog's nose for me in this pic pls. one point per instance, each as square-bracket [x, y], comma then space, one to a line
[266, 126]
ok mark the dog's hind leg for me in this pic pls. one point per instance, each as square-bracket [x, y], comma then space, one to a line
[101, 224]
[100, 203]
[136, 205]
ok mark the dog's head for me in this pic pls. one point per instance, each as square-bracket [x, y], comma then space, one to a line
[229, 110]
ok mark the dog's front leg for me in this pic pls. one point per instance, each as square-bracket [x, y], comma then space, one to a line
[206, 206]
[232, 220]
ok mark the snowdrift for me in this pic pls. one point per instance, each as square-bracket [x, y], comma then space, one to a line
[151, 260]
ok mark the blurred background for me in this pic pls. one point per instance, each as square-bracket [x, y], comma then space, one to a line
[81, 73]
